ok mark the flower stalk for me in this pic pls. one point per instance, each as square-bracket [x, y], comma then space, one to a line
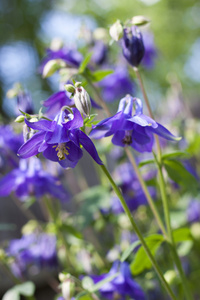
[137, 231]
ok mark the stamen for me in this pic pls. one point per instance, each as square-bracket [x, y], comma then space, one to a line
[128, 137]
[62, 150]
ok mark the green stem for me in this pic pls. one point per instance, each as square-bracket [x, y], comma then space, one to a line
[170, 234]
[137, 231]
[146, 192]
[164, 194]
[60, 234]
[98, 97]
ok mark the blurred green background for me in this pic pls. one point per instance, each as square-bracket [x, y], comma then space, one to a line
[27, 27]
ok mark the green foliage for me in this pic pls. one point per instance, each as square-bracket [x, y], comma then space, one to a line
[129, 250]
[85, 62]
[182, 234]
[141, 260]
[179, 174]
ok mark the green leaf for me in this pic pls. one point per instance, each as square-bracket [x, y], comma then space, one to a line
[182, 234]
[184, 248]
[85, 62]
[89, 120]
[129, 250]
[177, 154]
[26, 288]
[71, 230]
[83, 296]
[141, 260]
[101, 74]
[179, 174]
[146, 162]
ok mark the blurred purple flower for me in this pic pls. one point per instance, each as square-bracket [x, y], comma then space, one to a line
[24, 103]
[117, 84]
[99, 51]
[122, 286]
[131, 188]
[72, 57]
[150, 50]
[127, 130]
[193, 211]
[59, 140]
[9, 144]
[30, 179]
[133, 46]
[37, 250]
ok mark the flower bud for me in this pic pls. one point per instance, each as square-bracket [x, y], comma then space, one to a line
[20, 119]
[52, 66]
[132, 45]
[69, 88]
[139, 20]
[116, 31]
[82, 101]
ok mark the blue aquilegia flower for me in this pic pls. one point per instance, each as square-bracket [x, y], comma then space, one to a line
[29, 179]
[127, 130]
[133, 46]
[122, 286]
[120, 79]
[38, 250]
[60, 140]
[24, 102]
[100, 51]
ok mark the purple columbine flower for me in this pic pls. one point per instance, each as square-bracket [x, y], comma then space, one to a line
[193, 211]
[122, 286]
[133, 46]
[72, 57]
[38, 250]
[117, 84]
[127, 130]
[131, 188]
[59, 140]
[30, 179]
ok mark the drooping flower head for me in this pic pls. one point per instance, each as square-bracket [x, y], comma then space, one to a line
[122, 286]
[131, 130]
[133, 46]
[38, 250]
[60, 140]
[29, 179]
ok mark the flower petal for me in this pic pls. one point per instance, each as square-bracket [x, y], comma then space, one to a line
[43, 125]
[163, 132]
[30, 148]
[86, 142]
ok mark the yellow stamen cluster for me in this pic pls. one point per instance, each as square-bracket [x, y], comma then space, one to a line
[62, 150]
